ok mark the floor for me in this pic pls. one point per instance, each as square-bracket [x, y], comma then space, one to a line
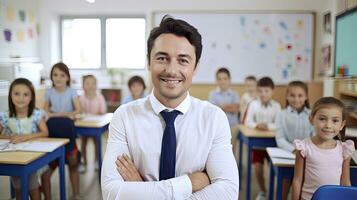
[90, 187]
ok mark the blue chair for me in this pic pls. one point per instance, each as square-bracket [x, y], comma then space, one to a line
[63, 127]
[333, 192]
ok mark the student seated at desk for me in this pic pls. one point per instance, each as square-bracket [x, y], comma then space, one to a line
[261, 115]
[293, 122]
[21, 123]
[322, 160]
[137, 88]
[91, 102]
[250, 85]
[62, 101]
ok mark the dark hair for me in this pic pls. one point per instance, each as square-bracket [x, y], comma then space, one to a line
[179, 28]
[266, 82]
[325, 102]
[252, 78]
[136, 79]
[223, 70]
[88, 76]
[301, 85]
[26, 82]
[63, 67]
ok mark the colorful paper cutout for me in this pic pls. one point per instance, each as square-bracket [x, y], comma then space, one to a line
[22, 15]
[31, 16]
[289, 47]
[7, 35]
[10, 14]
[283, 25]
[300, 24]
[242, 21]
[20, 36]
[262, 45]
[30, 33]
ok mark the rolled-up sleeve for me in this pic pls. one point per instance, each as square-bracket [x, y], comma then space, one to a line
[113, 185]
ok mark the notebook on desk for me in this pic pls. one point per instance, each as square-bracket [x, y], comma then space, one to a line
[280, 153]
[34, 146]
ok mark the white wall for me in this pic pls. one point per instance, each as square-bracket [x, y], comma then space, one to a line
[50, 10]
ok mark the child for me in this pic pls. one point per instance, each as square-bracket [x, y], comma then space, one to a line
[322, 160]
[91, 102]
[21, 123]
[293, 122]
[137, 88]
[250, 84]
[62, 101]
[261, 114]
[224, 97]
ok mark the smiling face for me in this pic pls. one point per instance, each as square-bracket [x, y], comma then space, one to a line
[265, 94]
[21, 96]
[59, 78]
[296, 97]
[90, 85]
[328, 122]
[172, 66]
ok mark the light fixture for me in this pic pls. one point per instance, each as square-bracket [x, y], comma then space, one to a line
[90, 1]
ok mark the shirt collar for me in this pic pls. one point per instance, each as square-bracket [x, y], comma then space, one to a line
[290, 109]
[268, 104]
[158, 106]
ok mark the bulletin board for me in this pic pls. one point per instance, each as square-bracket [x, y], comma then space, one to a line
[275, 44]
[19, 29]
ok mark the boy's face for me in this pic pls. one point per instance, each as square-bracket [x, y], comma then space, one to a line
[251, 86]
[223, 81]
[136, 89]
[265, 93]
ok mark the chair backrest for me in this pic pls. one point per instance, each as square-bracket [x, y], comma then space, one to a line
[62, 127]
[333, 192]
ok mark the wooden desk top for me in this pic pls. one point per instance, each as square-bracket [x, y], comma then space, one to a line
[94, 121]
[249, 132]
[22, 157]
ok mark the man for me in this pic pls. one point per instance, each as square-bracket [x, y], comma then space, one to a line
[170, 145]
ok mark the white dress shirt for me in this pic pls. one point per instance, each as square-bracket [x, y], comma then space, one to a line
[259, 113]
[291, 125]
[203, 143]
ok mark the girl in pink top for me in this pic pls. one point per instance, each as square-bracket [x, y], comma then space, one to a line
[322, 160]
[91, 102]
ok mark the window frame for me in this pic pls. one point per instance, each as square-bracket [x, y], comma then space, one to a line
[102, 18]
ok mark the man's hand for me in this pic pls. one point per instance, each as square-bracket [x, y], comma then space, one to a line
[199, 181]
[126, 169]
[262, 126]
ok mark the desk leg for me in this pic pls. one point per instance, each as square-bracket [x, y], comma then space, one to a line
[271, 181]
[62, 175]
[279, 192]
[12, 189]
[249, 165]
[98, 139]
[24, 185]
[240, 160]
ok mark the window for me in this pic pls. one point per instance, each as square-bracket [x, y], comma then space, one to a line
[103, 42]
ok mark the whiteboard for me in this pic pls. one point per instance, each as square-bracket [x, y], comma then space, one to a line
[279, 45]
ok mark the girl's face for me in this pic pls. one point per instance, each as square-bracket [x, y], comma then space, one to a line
[90, 85]
[250, 86]
[328, 122]
[136, 89]
[21, 96]
[59, 78]
[296, 97]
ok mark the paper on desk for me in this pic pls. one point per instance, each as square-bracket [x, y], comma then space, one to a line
[283, 161]
[280, 153]
[35, 146]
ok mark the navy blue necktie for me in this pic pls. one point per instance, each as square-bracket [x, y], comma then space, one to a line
[168, 147]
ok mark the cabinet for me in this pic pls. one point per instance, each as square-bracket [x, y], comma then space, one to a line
[346, 91]
[112, 97]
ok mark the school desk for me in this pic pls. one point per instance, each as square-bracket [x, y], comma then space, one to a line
[94, 126]
[256, 139]
[22, 164]
[284, 168]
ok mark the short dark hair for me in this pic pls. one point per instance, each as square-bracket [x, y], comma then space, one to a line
[326, 102]
[252, 78]
[223, 70]
[63, 67]
[136, 79]
[301, 85]
[26, 82]
[266, 82]
[179, 28]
